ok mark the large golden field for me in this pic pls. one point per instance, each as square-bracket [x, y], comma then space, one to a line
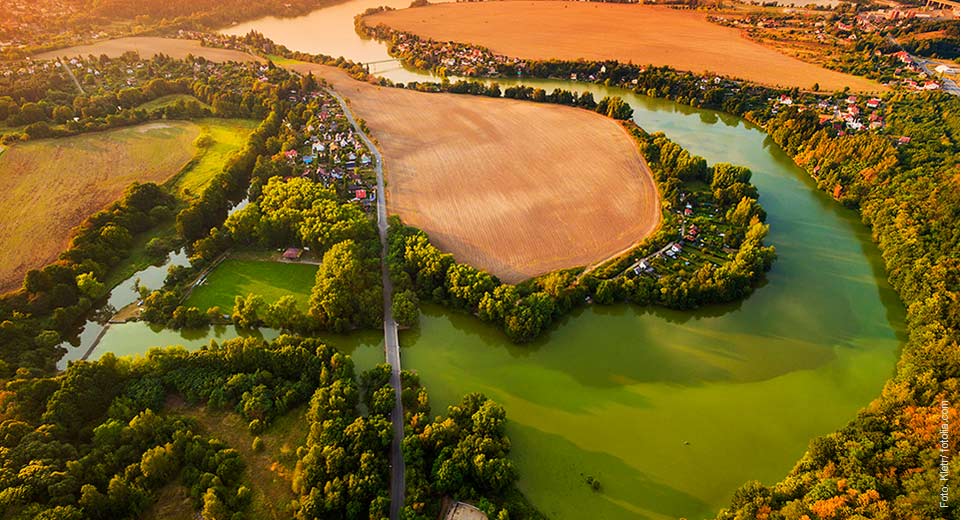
[49, 186]
[641, 34]
[513, 187]
[148, 46]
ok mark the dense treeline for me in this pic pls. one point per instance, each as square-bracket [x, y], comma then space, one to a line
[420, 271]
[299, 212]
[343, 471]
[55, 299]
[347, 293]
[887, 462]
[45, 103]
[91, 442]
[462, 454]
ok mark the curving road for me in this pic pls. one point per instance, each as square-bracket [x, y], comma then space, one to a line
[391, 349]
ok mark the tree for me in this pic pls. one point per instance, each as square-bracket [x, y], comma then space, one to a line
[92, 288]
[347, 292]
[62, 113]
[214, 508]
[615, 108]
[404, 306]
[248, 311]
[284, 314]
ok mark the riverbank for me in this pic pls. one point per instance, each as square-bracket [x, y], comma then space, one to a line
[628, 33]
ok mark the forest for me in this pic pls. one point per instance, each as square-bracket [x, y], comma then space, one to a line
[99, 440]
[60, 459]
[885, 462]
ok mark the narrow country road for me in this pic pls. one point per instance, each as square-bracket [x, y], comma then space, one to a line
[66, 67]
[391, 348]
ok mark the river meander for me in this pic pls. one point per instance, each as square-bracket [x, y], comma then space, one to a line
[671, 411]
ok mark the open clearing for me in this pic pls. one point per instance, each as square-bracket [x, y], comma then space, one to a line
[268, 473]
[513, 187]
[148, 46]
[640, 34]
[271, 280]
[227, 137]
[49, 186]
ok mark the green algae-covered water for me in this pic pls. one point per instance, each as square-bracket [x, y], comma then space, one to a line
[135, 338]
[670, 411]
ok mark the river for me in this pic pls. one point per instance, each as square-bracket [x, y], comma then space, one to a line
[670, 411]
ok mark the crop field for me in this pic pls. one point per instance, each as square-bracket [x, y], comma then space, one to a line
[226, 137]
[49, 186]
[271, 280]
[639, 34]
[513, 187]
[148, 46]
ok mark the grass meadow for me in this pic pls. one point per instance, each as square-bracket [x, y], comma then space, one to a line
[271, 280]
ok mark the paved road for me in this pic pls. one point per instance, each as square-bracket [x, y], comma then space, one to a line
[947, 84]
[392, 352]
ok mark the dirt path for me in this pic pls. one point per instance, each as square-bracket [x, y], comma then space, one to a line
[66, 67]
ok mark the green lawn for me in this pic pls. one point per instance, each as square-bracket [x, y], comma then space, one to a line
[242, 277]
[166, 101]
[281, 61]
[228, 136]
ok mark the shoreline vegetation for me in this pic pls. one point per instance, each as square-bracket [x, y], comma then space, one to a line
[901, 187]
[104, 434]
[678, 36]
[708, 250]
[878, 173]
[914, 157]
